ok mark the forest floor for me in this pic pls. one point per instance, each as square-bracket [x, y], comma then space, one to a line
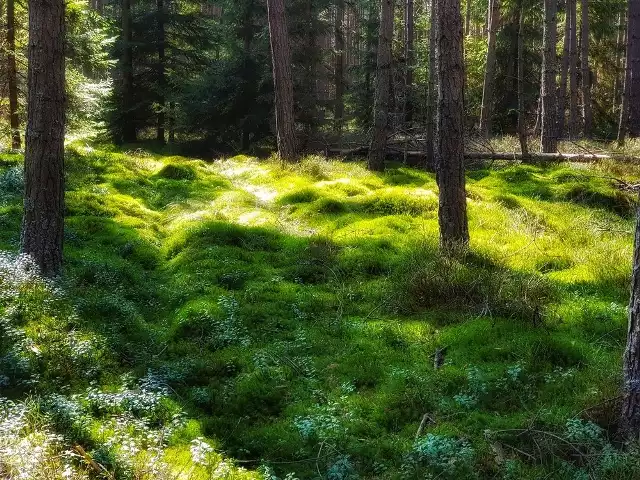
[237, 313]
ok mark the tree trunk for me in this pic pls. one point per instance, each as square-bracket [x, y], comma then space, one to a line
[630, 415]
[409, 55]
[431, 88]
[573, 70]
[282, 80]
[43, 221]
[338, 112]
[562, 89]
[129, 134]
[452, 212]
[548, 113]
[633, 64]
[162, 83]
[587, 112]
[490, 70]
[522, 129]
[383, 85]
[619, 62]
[12, 74]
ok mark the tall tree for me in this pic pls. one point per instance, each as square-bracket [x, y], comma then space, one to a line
[490, 69]
[619, 59]
[383, 85]
[573, 70]
[564, 72]
[282, 80]
[338, 112]
[129, 133]
[630, 110]
[452, 212]
[587, 112]
[522, 134]
[162, 82]
[409, 55]
[431, 86]
[548, 113]
[12, 76]
[43, 221]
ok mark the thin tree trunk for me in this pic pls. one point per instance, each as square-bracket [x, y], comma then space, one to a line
[431, 88]
[172, 122]
[630, 415]
[619, 74]
[129, 134]
[339, 67]
[562, 90]
[587, 111]
[383, 85]
[490, 70]
[43, 220]
[452, 212]
[409, 55]
[633, 64]
[282, 80]
[522, 129]
[12, 74]
[161, 72]
[573, 71]
[548, 143]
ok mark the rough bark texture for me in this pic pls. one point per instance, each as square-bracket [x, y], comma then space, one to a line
[409, 55]
[431, 87]
[564, 72]
[587, 112]
[161, 72]
[282, 80]
[129, 134]
[383, 85]
[338, 112]
[12, 76]
[573, 70]
[522, 128]
[548, 143]
[630, 415]
[633, 65]
[490, 69]
[43, 221]
[452, 212]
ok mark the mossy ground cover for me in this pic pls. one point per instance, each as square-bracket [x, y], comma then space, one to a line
[288, 317]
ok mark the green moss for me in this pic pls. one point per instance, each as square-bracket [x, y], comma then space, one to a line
[172, 171]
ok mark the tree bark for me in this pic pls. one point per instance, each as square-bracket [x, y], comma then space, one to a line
[43, 220]
[633, 65]
[338, 112]
[548, 143]
[587, 111]
[12, 74]
[383, 85]
[129, 133]
[619, 74]
[573, 71]
[409, 55]
[630, 415]
[522, 129]
[490, 70]
[431, 87]
[282, 80]
[452, 212]
[562, 89]
[162, 82]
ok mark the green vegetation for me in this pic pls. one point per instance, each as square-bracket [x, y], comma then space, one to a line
[287, 318]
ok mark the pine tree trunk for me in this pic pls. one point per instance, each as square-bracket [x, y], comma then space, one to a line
[564, 72]
[452, 212]
[522, 129]
[12, 76]
[490, 70]
[409, 55]
[549, 112]
[573, 71]
[282, 80]
[633, 64]
[338, 112]
[383, 88]
[431, 88]
[630, 415]
[129, 134]
[619, 63]
[162, 83]
[587, 112]
[43, 221]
